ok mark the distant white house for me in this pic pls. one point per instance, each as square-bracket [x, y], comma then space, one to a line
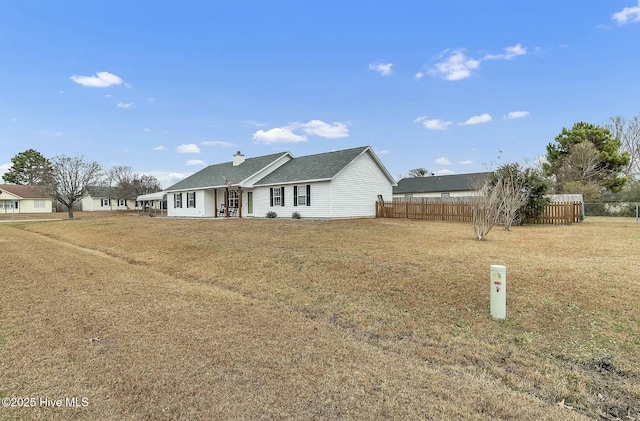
[454, 185]
[338, 184]
[24, 199]
[105, 198]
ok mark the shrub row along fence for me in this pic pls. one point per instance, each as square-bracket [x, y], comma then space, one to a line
[557, 213]
[628, 209]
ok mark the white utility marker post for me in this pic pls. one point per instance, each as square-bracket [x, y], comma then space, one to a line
[498, 292]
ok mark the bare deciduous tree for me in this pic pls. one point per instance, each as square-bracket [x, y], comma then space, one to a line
[628, 131]
[487, 209]
[70, 177]
[419, 172]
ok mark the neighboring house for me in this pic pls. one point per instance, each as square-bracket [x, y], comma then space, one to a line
[152, 201]
[105, 198]
[455, 185]
[339, 184]
[24, 199]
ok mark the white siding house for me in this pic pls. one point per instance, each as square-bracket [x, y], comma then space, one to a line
[455, 185]
[24, 199]
[101, 198]
[339, 184]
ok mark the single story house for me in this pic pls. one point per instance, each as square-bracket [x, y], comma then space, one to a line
[152, 201]
[24, 199]
[454, 185]
[105, 198]
[338, 184]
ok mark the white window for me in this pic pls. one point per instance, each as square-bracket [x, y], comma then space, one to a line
[302, 195]
[233, 199]
[191, 199]
[122, 202]
[177, 200]
[104, 202]
[38, 204]
[277, 196]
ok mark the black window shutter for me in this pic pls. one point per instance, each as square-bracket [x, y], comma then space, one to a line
[194, 199]
[180, 199]
[308, 194]
[282, 195]
[295, 195]
[271, 196]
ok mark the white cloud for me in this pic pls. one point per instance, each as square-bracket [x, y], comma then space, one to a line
[188, 148]
[478, 119]
[457, 66]
[218, 143]
[5, 167]
[146, 129]
[287, 133]
[252, 123]
[419, 75]
[125, 104]
[322, 129]
[151, 100]
[101, 80]
[509, 53]
[442, 161]
[383, 68]
[444, 172]
[434, 124]
[383, 152]
[192, 162]
[278, 135]
[517, 114]
[627, 15]
[61, 92]
[160, 148]
[465, 162]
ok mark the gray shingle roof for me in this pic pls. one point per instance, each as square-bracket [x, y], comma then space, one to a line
[321, 166]
[99, 192]
[218, 174]
[440, 183]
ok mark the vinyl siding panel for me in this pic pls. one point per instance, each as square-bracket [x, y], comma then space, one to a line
[354, 190]
[436, 194]
[320, 201]
[203, 209]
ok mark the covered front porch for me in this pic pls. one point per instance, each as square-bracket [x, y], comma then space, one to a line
[232, 202]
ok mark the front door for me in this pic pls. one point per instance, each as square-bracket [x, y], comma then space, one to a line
[250, 202]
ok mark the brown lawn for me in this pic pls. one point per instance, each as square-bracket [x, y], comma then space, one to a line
[155, 318]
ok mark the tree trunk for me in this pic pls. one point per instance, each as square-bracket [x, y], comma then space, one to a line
[70, 212]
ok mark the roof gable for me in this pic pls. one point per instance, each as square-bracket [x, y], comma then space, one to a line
[25, 192]
[323, 166]
[219, 174]
[440, 183]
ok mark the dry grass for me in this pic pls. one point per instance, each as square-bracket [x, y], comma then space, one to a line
[283, 319]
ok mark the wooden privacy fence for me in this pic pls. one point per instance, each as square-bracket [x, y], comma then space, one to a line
[557, 213]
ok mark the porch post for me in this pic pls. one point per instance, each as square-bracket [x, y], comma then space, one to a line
[226, 202]
[215, 203]
[239, 202]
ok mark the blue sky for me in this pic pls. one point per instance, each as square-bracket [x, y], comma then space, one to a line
[451, 86]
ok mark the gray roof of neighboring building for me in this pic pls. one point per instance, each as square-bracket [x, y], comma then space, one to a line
[99, 192]
[322, 166]
[107, 192]
[217, 175]
[440, 183]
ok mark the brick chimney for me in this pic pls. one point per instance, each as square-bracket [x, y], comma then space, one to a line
[238, 159]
